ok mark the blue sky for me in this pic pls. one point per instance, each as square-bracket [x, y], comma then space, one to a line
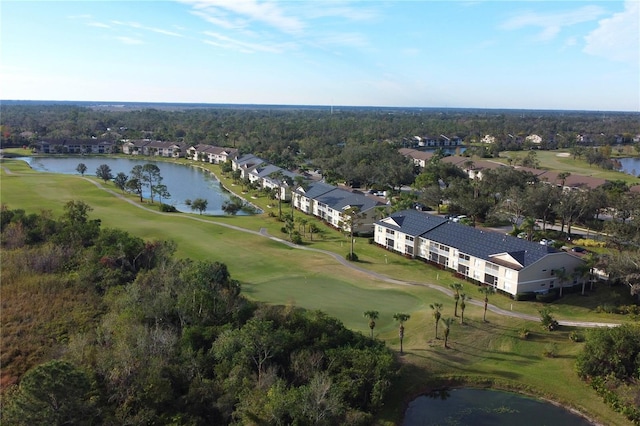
[481, 54]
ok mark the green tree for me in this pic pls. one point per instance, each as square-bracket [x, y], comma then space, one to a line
[54, 393]
[372, 316]
[135, 184]
[611, 351]
[547, 320]
[313, 229]
[199, 204]
[151, 177]
[233, 205]
[463, 306]
[457, 288]
[162, 192]
[563, 276]
[486, 292]
[81, 168]
[437, 314]
[401, 318]
[352, 217]
[278, 177]
[121, 181]
[447, 329]
[104, 172]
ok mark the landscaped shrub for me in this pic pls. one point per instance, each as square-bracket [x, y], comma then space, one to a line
[167, 208]
[550, 351]
[588, 242]
[524, 333]
[529, 295]
[296, 238]
[547, 320]
[576, 336]
[546, 298]
[352, 257]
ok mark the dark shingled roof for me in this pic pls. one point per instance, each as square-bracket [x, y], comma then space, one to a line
[315, 190]
[411, 222]
[484, 244]
[338, 199]
[475, 242]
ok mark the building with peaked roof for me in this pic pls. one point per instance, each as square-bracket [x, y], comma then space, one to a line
[211, 154]
[511, 265]
[331, 204]
[76, 146]
[246, 163]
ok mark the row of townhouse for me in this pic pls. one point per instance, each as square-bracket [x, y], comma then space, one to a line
[327, 202]
[211, 154]
[72, 146]
[332, 204]
[151, 148]
[511, 265]
[434, 141]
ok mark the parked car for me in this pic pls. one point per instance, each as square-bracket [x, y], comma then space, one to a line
[546, 242]
[578, 249]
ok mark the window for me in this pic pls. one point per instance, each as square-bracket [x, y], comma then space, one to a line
[490, 279]
[408, 238]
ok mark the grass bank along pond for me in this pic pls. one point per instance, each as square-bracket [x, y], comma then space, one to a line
[183, 182]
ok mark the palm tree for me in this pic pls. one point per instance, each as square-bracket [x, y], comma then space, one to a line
[278, 176]
[529, 226]
[401, 318]
[563, 276]
[463, 305]
[373, 316]
[487, 291]
[585, 270]
[437, 307]
[456, 287]
[447, 328]
[352, 216]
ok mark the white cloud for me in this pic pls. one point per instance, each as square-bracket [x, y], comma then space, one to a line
[223, 41]
[551, 24]
[618, 37]
[98, 25]
[239, 13]
[129, 40]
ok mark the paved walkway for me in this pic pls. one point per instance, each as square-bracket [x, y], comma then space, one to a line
[263, 233]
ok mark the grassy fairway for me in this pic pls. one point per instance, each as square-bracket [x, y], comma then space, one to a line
[563, 161]
[270, 271]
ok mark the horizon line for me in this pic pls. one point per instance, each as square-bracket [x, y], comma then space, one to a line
[331, 107]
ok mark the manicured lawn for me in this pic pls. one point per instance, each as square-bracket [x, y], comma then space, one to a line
[562, 160]
[273, 272]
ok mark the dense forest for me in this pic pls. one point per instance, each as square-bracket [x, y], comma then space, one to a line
[290, 137]
[101, 327]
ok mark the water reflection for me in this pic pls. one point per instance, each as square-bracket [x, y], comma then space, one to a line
[183, 182]
[478, 407]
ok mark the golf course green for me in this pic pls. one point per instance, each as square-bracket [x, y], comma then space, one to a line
[492, 353]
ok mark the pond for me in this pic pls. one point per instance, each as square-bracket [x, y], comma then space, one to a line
[630, 166]
[479, 407]
[183, 182]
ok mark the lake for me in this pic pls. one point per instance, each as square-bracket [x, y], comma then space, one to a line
[478, 407]
[183, 182]
[630, 166]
